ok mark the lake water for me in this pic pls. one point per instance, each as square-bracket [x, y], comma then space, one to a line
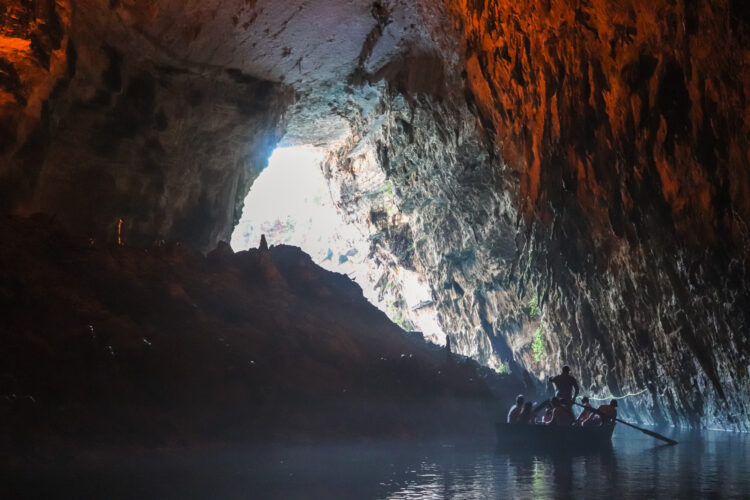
[707, 465]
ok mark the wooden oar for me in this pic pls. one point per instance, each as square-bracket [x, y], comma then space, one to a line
[645, 431]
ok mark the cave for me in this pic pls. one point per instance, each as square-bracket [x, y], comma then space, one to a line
[457, 198]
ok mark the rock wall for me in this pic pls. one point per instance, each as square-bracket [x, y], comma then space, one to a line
[571, 177]
[161, 346]
[626, 124]
[584, 202]
[418, 177]
[103, 128]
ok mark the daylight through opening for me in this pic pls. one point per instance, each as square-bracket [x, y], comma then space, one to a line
[291, 204]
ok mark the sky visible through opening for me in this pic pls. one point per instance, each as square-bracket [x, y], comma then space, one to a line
[290, 203]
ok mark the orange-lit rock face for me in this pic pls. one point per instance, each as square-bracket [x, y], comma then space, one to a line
[627, 125]
[33, 44]
[594, 99]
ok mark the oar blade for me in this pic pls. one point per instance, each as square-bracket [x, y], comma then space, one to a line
[645, 431]
[658, 436]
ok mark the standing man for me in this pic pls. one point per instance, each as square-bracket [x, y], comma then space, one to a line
[565, 384]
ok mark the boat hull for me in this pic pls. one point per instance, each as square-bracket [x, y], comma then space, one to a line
[556, 438]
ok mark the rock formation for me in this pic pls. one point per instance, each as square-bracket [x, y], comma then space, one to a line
[571, 177]
[114, 344]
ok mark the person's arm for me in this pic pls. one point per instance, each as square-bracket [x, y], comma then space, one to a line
[576, 389]
[588, 417]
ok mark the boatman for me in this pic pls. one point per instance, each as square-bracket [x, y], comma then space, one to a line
[515, 410]
[565, 384]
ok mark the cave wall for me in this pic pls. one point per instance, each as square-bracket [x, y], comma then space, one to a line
[571, 177]
[626, 124]
[578, 195]
[104, 127]
[420, 178]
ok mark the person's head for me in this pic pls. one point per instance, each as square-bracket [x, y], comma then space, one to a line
[519, 399]
[527, 406]
[613, 403]
[566, 369]
[555, 402]
[585, 400]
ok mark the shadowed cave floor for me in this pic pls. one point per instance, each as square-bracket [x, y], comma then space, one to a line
[114, 345]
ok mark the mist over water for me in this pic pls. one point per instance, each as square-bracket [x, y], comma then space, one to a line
[707, 465]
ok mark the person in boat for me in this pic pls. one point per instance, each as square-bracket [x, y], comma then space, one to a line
[605, 414]
[609, 412]
[586, 413]
[550, 405]
[515, 410]
[561, 414]
[527, 415]
[565, 385]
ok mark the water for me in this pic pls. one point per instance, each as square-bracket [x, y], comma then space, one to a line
[708, 465]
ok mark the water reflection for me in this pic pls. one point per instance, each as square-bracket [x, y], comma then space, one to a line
[472, 474]
[711, 465]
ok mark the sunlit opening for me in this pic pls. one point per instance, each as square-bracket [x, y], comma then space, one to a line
[291, 204]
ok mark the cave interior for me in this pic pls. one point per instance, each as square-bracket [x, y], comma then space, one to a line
[535, 183]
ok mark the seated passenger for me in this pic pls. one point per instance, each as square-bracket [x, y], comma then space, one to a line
[586, 413]
[515, 410]
[561, 414]
[605, 414]
[609, 411]
[527, 415]
[551, 405]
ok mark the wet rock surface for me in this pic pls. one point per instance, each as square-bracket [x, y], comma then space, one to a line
[161, 345]
[625, 125]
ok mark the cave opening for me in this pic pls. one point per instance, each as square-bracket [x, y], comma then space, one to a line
[291, 203]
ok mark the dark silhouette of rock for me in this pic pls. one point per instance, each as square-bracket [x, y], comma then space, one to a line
[119, 344]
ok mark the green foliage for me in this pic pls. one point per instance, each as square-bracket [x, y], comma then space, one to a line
[397, 316]
[503, 368]
[387, 188]
[534, 309]
[537, 346]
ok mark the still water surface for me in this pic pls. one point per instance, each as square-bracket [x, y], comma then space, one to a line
[707, 465]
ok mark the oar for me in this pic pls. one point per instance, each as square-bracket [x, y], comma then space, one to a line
[645, 431]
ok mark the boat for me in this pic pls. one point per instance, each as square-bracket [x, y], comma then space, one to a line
[553, 437]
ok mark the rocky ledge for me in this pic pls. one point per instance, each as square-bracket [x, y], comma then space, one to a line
[112, 344]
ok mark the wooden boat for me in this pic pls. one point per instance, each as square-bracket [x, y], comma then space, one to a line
[554, 438]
